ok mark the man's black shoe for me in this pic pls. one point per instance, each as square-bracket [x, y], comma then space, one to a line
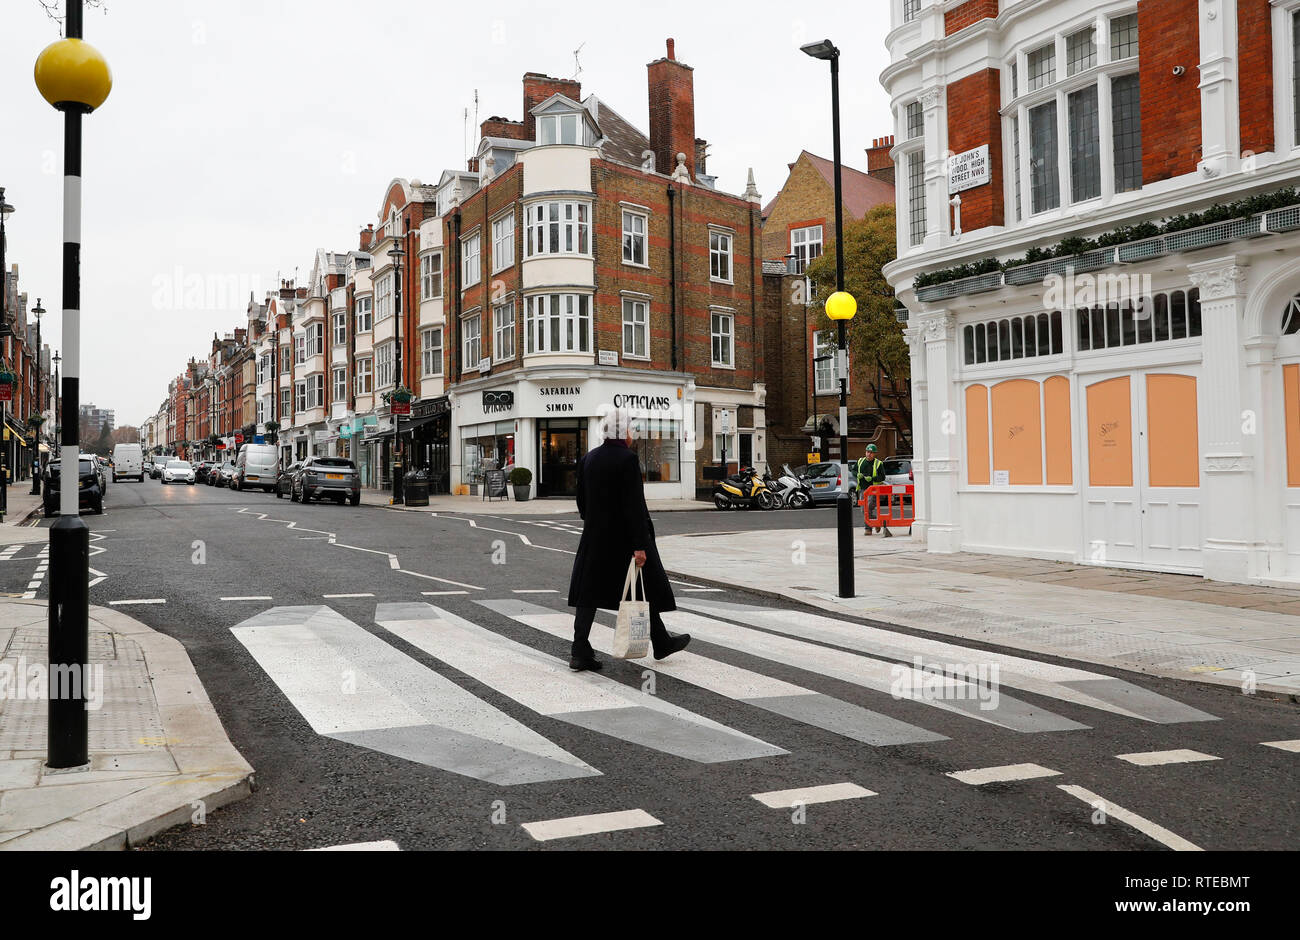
[676, 643]
[583, 663]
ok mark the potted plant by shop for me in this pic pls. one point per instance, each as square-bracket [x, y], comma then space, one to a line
[399, 400]
[520, 478]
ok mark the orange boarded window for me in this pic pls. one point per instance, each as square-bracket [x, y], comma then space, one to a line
[1174, 458]
[1110, 433]
[1017, 431]
[977, 435]
[1291, 386]
[1060, 452]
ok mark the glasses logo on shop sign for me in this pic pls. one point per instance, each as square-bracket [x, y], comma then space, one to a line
[498, 401]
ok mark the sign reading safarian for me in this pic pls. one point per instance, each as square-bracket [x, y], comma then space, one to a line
[968, 170]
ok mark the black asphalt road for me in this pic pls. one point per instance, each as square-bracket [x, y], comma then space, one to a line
[192, 546]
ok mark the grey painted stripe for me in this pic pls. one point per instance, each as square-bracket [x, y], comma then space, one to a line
[1064, 683]
[546, 685]
[899, 681]
[743, 685]
[352, 686]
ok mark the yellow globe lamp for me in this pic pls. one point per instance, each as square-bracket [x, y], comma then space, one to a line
[841, 306]
[71, 73]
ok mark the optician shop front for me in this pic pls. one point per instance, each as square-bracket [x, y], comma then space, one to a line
[545, 421]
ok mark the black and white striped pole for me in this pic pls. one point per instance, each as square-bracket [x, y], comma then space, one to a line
[73, 77]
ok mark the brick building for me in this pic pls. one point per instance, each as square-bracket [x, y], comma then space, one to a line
[589, 265]
[1102, 280]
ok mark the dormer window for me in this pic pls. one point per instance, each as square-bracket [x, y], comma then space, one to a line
[558, 129]
[561, 120]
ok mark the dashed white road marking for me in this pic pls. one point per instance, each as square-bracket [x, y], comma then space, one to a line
[429, 577]
[441, 593]
[148, 600]
[533, 591]
[386, 845]
[1144, 826]
[702, 590]
[1005, 774]
[334, 596]
[100, 576]
[1156, 758]
[547, 829]
[828, 793]
[1292, 746]
[251, 597]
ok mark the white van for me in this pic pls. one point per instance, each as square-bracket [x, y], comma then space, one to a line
[256, 467]
[128, 461]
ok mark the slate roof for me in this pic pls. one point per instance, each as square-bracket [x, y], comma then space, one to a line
[862, 193]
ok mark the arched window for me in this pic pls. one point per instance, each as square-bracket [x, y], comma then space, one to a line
[1291, 317]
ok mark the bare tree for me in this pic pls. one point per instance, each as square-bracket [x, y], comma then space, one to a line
[53, 9]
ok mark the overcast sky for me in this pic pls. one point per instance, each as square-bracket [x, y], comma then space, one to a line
[241, 136]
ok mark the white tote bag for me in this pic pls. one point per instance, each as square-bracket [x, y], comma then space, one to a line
[632, 635]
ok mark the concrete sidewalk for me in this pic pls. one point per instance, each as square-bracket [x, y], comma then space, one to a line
[21, 505]
[1169, 625]
[159, 756]
[508, 507]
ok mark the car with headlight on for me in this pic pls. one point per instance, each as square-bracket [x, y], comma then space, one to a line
[333, 478]
[90, 493]
[178, 471]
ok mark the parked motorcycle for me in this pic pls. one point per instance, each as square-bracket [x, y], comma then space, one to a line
[790, 491]
[743, 490]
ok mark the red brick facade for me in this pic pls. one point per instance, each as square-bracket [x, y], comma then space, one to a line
[968, 13]
[973, 121]
[1171, 104]
[1255, 74]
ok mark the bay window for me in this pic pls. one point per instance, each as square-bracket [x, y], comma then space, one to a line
[557, 323]
[340, 391]
[503, 242]
[340, 328]
[365, 376]
[364, 311]
[431, 276]
[384, 365]
[553, 228]
[431, 351]
[384, 297]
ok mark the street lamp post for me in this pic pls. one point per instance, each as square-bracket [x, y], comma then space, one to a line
[73, 77]
[56, 359]
[6, 210]
[840, 307]
[397, 253]
[37, 311]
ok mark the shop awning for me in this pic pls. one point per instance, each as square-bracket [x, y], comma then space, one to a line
[16, 429]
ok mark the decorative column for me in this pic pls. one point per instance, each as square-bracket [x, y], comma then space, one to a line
[936, 166]
[942, 461]
[1229, 471]
[1220, 110]
[915, 338]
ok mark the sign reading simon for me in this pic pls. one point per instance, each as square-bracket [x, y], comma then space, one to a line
[554, 398]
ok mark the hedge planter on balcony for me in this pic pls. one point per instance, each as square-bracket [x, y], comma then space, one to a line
[1283, 220]
[1038, 271]
[1144, 250]
[979, 284]
[1220, 233]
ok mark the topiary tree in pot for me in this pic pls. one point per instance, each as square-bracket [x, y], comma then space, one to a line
[520, 479]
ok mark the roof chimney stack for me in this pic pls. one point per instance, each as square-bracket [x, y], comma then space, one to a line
[672, 112]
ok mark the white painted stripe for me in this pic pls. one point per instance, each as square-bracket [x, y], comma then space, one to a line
[702, 590]
[33, 584]
[387, 845]
[29, 595]
[441, 593]
[533, 591]
[1156, 758]
[1005, 774]
[251, 597]
[1292, 746]
[685, 583]
[429, 577]
[828, 793]
[334, 596]
[1144, 826]
[72, 209]
[547, 829]
[151, 600]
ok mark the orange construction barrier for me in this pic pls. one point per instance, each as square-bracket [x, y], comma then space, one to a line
[895, 506]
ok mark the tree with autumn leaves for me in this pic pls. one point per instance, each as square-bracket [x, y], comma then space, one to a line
[877, 350]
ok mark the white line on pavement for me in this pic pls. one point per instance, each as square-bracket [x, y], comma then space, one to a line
[1156, 758]
[429, 577]
[533, 591]
[1292, 746]
[386, 845]
[33, 584]
[251, 597]
[1006, 774]
[547, 829]
[1144, 826]
[702, 590]
[441, 593]
[149, 600]
[828, 793]
[332, 596]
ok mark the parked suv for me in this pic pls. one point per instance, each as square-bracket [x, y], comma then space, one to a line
[90, 495]
[332, 477]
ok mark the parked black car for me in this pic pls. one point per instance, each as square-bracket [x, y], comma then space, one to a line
[284, 480]
[91, 494]
[335, 478]
[201, 470]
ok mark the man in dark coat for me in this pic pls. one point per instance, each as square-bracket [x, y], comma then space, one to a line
[616, 529]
